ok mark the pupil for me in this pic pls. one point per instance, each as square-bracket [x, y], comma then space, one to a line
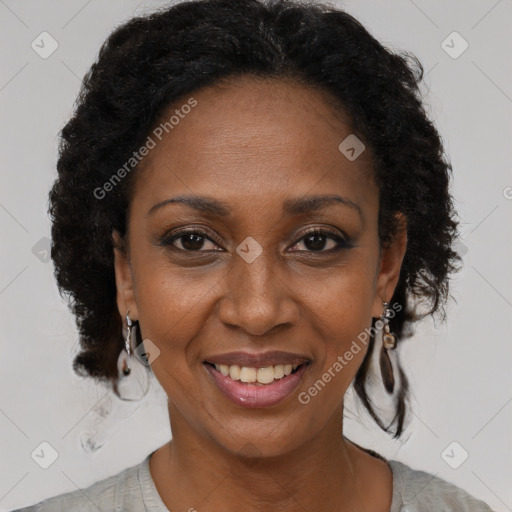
[192, 242]
[318, 245]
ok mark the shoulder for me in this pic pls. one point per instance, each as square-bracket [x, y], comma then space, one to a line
[418, 491]
[111, 493]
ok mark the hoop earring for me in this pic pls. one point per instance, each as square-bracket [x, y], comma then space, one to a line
[124, 360]
[387, 355]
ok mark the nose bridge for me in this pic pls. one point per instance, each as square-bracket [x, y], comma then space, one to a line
[255, 278]
[256, 298]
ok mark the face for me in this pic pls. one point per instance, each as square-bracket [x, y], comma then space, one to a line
[265, 269]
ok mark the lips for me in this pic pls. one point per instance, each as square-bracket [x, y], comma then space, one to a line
[257, 380]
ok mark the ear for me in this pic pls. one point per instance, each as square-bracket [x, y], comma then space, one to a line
[390, 263]
[125, 295]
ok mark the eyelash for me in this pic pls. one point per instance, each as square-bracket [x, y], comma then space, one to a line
[342, 243]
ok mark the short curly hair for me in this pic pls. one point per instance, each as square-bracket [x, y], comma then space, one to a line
[152, 61]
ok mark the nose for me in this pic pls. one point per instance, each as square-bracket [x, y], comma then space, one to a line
[257, 298]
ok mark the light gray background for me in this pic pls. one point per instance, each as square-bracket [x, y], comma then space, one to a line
[459, 371]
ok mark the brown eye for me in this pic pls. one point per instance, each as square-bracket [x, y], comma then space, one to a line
[316, 240]
[190, 240]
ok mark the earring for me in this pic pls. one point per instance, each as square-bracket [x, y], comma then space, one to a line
[123, 363]
[389, 341]
[137, 386]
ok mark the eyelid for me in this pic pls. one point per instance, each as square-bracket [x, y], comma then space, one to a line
[324, 231]
[168, 238]
[341, 239]
[338, 236]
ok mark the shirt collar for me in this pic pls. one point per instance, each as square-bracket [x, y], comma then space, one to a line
[154, 503]
[150, 496]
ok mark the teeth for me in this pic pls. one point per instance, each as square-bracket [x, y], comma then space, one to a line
[278, 371]
[248, 374]
[234, 371]
[265, 375]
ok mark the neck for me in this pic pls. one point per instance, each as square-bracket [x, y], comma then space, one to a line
[324, 473]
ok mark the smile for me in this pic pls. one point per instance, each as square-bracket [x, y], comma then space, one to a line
[255, 387]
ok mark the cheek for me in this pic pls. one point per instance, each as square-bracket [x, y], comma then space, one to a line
[344, 355]
[172, 304]
[171, 309]
[342, 312]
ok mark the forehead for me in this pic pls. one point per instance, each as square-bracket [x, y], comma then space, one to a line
[250, 139]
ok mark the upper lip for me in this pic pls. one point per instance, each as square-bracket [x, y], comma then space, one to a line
[255, 360]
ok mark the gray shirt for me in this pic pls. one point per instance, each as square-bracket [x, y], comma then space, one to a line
[133, 490]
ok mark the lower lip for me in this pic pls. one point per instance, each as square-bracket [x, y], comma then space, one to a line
[254, 396]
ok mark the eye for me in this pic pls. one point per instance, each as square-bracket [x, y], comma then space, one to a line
[191, 240]
[315, 240]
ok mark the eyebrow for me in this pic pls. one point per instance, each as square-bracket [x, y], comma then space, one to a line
[295, 206]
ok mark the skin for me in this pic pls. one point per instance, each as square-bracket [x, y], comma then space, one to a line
[252, 143]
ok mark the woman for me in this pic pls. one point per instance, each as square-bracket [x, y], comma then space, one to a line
[252, 200]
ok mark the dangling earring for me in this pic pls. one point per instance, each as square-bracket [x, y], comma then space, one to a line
[137, 386]
[385, 380]
[123, 363]
[386, 355]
